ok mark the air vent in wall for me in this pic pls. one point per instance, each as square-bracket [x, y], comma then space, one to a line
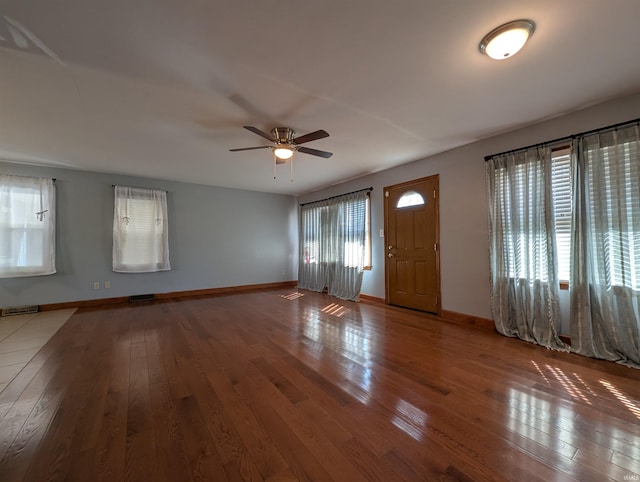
[137, 298]
[19, 310]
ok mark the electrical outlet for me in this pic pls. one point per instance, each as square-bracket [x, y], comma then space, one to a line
[107, 284]
[96, 285]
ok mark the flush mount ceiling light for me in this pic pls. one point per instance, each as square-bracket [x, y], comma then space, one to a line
[507, 40]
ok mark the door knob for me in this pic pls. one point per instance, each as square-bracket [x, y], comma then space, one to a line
[390, 255]
[390, 247]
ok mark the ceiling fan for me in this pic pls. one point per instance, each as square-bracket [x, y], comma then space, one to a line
[285, 144]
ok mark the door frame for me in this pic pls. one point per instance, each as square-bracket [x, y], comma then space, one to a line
[385, 190]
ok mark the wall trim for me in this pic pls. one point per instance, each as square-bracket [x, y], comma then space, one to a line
[371, 299]
[468, 320]
[169, 296]
[445, 315]
[566, 339]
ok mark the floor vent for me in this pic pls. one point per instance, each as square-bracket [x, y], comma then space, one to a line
[138, 298]
[19, 310]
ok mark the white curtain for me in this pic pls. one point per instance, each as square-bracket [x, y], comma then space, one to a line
[333, 245]
[140, 230]
[605, 277]
[27, 226]
[524, 287]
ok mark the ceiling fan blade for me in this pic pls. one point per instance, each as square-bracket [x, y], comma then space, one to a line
[255, 130]
[315, 152]
[312, 136]
[249, 148]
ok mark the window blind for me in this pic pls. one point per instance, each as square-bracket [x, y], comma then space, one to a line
[614, 202]
[561, 195]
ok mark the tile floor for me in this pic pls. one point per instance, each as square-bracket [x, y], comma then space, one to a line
[21, 336]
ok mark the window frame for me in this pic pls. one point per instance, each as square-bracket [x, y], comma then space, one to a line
[43, 231]
[157, 239]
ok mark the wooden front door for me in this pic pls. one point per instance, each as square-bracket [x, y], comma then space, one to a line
[412, 244]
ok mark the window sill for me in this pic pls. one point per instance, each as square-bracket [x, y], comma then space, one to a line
[564, 285]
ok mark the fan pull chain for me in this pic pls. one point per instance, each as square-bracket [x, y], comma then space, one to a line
[291, 162]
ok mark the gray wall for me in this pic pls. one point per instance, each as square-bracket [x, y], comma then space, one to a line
[218, 237]
[463, 206]
[223, 237]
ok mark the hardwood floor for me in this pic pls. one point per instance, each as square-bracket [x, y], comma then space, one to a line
[281, 385]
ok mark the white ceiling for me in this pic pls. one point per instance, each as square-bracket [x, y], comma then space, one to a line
[162, 89]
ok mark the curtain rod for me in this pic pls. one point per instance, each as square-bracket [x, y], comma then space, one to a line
[565, 138]
[339, 195]
[149, 188]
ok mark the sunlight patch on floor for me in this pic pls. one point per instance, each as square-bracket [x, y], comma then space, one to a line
[632, 406]
[335, 309]
[568, 384]
[575, 386]
[292, 296]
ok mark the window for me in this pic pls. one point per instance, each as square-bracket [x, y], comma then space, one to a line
[614, 206]
[140, 233]
[410, 198]
[355, 219]
[358, 216]
[27, 226]
[335, 244]
[519, 190]
[562, 206]
[520, 201]
[613, 196]
[593, 234]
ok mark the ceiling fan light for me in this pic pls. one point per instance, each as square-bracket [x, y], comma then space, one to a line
[507, 40]
[283, 152]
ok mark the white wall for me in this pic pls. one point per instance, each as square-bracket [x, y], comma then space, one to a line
[218, 237]
[463, 206]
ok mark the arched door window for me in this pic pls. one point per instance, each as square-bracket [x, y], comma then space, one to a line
[410, 198]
